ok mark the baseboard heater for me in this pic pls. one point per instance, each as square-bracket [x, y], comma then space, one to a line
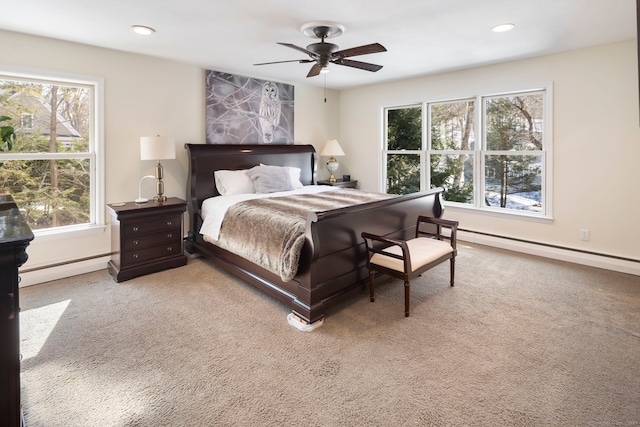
[60, 270]
[46, 273]
[578, 256]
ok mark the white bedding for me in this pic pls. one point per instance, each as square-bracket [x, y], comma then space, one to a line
[214, 208]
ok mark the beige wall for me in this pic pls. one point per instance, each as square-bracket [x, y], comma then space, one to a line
[595, 108]
[596, 142]
[142, 96]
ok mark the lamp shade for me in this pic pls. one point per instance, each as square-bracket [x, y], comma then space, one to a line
[157, 148]
[332, 149]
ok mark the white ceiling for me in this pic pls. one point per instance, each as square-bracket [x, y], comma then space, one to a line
[421, 36]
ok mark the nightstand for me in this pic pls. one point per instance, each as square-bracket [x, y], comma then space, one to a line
[146, 237]
[340, 183]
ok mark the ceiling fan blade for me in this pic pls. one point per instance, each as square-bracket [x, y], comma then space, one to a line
[361, 50]
[314, 71]
[301, 49]
[357, 64]
[302, 61]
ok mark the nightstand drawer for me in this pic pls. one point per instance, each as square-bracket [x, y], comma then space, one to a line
[340, 183]
[143, 255]
[148, 240]
[138, 228]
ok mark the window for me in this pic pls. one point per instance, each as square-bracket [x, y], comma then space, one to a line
[452, 155]
[27, 121]
[52, 168]
[513, 157]
[404, 142]
[494, 159]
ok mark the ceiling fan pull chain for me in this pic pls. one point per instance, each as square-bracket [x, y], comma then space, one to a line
[325, 88]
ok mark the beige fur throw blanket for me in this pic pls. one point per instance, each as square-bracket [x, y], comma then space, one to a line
[270, 232]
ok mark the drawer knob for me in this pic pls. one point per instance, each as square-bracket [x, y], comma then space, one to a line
[169, 249]
[169, 235]
[136, 242]
[169, 223]
[135, 228]
[136, 256]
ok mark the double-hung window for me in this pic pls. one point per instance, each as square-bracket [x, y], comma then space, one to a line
[488, 152]
[51, 169]
[404, 153]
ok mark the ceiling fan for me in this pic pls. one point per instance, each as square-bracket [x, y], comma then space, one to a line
[323, 53]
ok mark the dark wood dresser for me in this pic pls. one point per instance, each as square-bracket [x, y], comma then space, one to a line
[146, 237]
[15, 236]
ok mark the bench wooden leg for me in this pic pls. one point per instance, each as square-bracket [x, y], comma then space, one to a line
[407, 289]
[452, 268]
[371, 285]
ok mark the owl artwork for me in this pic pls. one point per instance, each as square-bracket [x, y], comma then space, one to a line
[269, 113]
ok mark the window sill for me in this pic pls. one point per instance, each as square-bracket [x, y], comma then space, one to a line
[515, 215]
[70, 232]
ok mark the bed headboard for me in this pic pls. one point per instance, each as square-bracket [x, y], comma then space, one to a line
[205, 159]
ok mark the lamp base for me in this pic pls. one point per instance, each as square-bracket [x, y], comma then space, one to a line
[160, 197]
[332, 166]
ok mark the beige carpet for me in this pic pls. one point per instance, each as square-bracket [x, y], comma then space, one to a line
[519, 341]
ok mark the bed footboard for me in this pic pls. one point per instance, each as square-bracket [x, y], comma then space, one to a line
[333, 263]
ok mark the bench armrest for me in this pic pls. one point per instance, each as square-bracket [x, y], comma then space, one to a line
[440, 223]
[384, 243]
[369, 238]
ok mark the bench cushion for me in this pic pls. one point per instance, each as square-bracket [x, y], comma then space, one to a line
[423, 250]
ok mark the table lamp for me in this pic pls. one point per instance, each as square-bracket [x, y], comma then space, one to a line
[332, 149]
[156, 148]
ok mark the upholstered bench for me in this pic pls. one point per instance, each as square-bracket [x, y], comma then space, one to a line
[408, 259]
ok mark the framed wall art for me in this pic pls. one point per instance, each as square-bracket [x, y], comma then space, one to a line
[244, 110]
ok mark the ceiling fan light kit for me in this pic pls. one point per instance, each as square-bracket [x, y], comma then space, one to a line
[323, 53]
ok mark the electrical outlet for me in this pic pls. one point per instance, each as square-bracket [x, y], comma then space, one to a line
[584, 234]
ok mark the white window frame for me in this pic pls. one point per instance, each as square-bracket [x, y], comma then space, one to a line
[479, 152]
[386, 152]
[95, 155]
[430, 151]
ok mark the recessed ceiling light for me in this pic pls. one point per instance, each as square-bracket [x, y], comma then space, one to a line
[502, 28]
[141, 29]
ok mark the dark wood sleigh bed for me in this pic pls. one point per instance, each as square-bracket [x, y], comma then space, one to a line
[332, 264]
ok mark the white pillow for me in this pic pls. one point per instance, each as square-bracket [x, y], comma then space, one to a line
[294, 173]
[233, 182]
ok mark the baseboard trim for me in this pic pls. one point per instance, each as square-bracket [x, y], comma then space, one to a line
[47, 274]
[607, 262]
[61, 271]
